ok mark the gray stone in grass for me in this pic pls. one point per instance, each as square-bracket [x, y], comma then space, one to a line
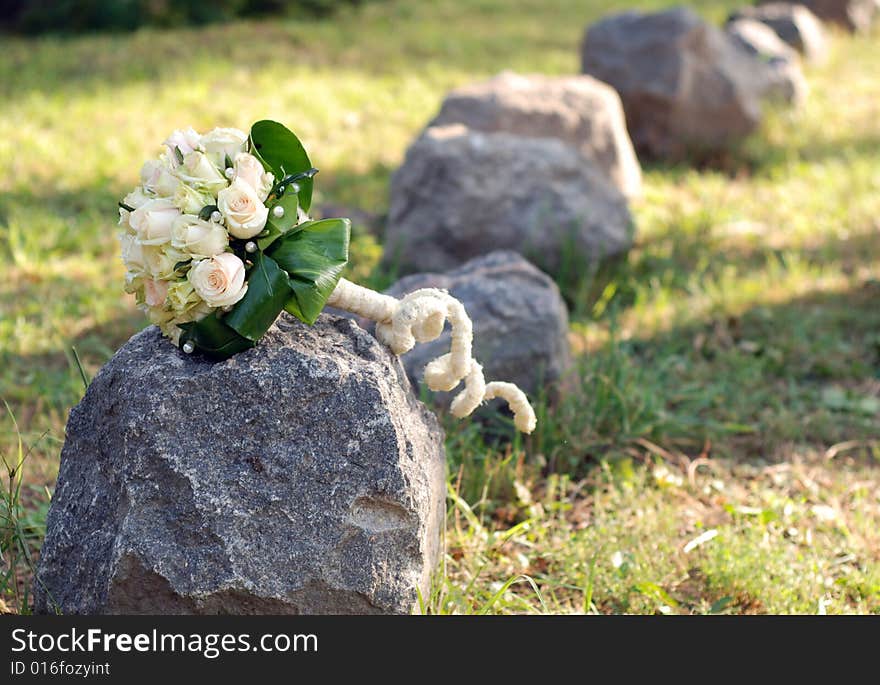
[299, 477]
[579, 110]
[462, 193]
[520, 321]
[685, 86]
[794, 24]
[853, 15]
[777, 65]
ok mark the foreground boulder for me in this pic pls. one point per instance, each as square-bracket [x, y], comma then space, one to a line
[463, 193]
[854, 15]
[520, 321]
[299, 477]
[684, 85]
[776, 64]
[794, 24]
[577, 109]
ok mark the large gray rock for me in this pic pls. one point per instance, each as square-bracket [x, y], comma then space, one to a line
[794, 24]
[854, 15]
[520, 321]
[777, 65]
[576, 109]
[463, 193]
[301, 476]
[685, 86]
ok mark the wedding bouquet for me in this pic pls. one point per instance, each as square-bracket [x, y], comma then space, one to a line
[217, 240]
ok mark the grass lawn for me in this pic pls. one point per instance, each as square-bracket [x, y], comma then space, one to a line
[716, 449]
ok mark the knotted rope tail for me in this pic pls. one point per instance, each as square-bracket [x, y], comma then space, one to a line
[420, 317]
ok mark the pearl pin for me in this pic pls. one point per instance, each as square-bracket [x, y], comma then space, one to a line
[278, 211]
[188, 347]
[229, 173]
[250, 246]
[216, 216]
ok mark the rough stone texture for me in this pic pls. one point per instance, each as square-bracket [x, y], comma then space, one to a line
[776, 64]
[520, 321]
[794, 24]
[463, 193]
[685, 86]
[301, 476]
[577, 109]
[854, 15]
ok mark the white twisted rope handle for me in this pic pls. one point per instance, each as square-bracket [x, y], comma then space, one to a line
[420, 317]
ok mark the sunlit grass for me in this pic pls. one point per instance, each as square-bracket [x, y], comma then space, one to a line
[743, 328]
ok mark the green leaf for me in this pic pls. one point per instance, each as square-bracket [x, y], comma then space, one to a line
[282, 152]
[314, 256]
[720, 605]
[270, 235]
[213, 338]
[206, 212]
[268, 291]
[279, 225]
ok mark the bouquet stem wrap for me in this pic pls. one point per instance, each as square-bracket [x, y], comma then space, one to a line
[420, 317]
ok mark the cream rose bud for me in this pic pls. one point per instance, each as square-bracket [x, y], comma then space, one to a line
[152, 221]
[244, 211]
[249, 169]
[219, 281]
[132, 254]
[199, 171]
[134, 199]
[190, 201]
[157, 178]
[222, 143]
[185, 140]
[155, 292]
[198, 238]
[160, 261]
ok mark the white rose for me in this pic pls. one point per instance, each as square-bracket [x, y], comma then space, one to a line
[134, 199]
[190, 201]
[160, 261]
[219, 281]
[245, 212]
[222, 143]
[199, 171]
[167, 319]
[155, 292]
[182, 297]
[249, 169]
[198, 238]
[152, 221]
[185, 140]
[158, 179]
[132, 254]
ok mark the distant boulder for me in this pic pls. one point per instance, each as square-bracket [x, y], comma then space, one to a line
[776, 64]
[853, 15]
[462, 193]
[684, 84]
[575, 109]
[794, 24]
